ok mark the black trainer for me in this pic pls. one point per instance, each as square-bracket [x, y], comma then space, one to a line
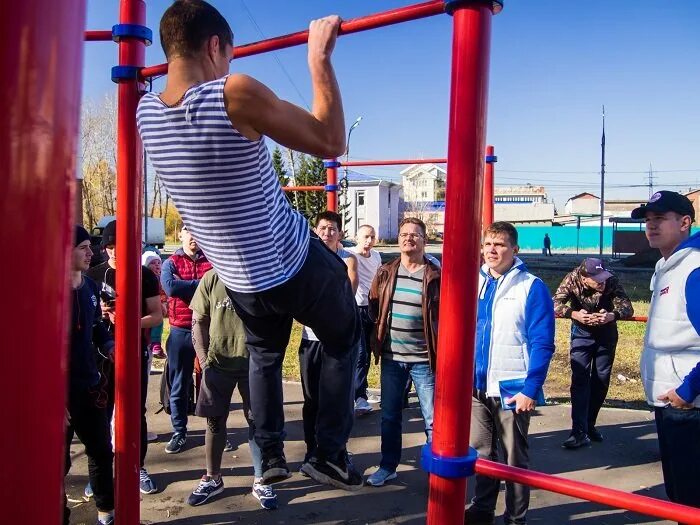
[595, 434]
[577, 440]
[339, 473]
[275, 469]
[474, 516]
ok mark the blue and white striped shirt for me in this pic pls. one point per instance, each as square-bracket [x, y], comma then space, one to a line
[224, 188]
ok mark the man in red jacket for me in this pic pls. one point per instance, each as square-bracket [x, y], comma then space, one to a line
[180, 276]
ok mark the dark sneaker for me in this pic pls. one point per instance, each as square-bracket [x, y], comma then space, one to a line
[474, 516]
[109, 520]
[228, 447]
[146, 485]
[275, 469]
[340, 473]
[208, 488]
[576, 440]
[265, 495]
[594, 434]
[88, 493]
[176, 443]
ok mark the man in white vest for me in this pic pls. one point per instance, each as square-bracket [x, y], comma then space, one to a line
[513, 348]
[671, 356]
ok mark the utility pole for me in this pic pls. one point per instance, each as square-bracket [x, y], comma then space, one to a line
[602, 183]
[651, 181]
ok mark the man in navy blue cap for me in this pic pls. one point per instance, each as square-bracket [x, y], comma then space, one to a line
[671, 356]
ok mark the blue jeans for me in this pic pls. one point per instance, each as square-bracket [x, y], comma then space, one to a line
[364, 354]
[394, 377]
[180, 368]
[679, 444]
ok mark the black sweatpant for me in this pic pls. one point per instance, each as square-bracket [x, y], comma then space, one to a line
[90, 423]
[319, 296]
[592, 355]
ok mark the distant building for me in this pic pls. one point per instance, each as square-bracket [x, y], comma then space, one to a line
[694, 196]
[373, 201]
[583, 204]
[423, 183]
[522, 205]
[621, 207]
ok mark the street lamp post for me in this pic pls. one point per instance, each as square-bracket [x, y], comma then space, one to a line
[345, 167]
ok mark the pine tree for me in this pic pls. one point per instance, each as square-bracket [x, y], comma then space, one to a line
[281, 171]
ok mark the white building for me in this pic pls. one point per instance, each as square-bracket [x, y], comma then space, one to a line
[423, 183]
[583, 204]
[373, 201]
[522, 204]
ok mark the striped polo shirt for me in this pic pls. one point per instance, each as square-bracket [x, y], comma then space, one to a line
[407, 342]
[224, 188]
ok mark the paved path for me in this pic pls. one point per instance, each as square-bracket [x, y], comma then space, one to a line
[627, 460]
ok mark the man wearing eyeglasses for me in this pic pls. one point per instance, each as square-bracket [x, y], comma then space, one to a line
[404, 303]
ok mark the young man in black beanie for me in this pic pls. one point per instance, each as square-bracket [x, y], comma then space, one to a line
[151, 315]
[86, 407]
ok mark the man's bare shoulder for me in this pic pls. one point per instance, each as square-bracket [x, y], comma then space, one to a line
[240, 85]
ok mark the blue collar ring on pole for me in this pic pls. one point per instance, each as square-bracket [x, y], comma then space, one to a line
[134, 31]
[125, 73]
[331, 164]
[490, 159]
[462, 467]
[331, 187]
[451, 5]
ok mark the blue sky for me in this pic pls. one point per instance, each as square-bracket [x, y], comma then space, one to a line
[553, 65]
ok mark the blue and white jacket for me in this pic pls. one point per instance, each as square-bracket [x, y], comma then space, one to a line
[671, 355]
[515, 330]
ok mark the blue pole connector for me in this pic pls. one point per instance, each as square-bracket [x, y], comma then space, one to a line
[125, 73]
[451, 5]
[136, 31]
[462, 467]
[331, 164]
[331, 187]
[490, 159]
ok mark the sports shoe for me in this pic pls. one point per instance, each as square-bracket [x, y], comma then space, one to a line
[208, 488]
[265, 495]
[339, 473]
[380, 476]
[151, 436]
[374, 399]
[176, 443]
[362, 407]
[109, 520]
[146, 485]
[275, 469]
[228, 447]
[88, 492]
[576, 440]
[474, 516]
[595, 434]
[158, 352]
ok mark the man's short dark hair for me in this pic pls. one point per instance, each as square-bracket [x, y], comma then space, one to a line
[188, 24]
[330, 216]
[503, 228]
[416, 221]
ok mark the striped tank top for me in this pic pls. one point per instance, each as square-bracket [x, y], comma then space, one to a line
[224, 188]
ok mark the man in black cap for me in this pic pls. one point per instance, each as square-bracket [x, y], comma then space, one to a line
[86, 407]
[671, 356]
[594, 300]
[151, 315]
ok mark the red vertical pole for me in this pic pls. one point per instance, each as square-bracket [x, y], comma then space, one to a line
[460, 263]
[332, 180]
[41, 60]
[488, 188]
[128, 307]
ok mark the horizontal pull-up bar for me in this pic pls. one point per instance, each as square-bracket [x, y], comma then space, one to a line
[589, 492]
[391, 162]
[355, 25]
[304, 188]
[98, 36]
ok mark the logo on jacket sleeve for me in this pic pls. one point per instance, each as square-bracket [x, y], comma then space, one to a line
[663, 291]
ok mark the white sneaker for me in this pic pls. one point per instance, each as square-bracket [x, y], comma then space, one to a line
[362, 407]
[374, 399]
[151, 436]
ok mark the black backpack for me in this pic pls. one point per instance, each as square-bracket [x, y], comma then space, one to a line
[165, 394]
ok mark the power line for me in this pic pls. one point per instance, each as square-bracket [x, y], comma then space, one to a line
[274, 55]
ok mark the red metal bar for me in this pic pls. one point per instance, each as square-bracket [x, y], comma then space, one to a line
[332, 196]
[399, 162]
[40, 95]
[488, 190]
[128, 331]
[461, 253]
[355, 25]
[586, 491]
[98, 36]
[304, 188]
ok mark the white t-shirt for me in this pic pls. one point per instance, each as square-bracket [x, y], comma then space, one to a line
[366, 270]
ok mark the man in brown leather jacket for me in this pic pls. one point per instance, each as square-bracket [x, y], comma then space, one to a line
[404, 301]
